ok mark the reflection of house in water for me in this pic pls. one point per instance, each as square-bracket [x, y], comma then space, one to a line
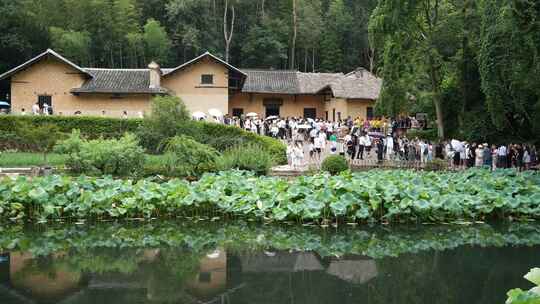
[176, 276]
[23, 279]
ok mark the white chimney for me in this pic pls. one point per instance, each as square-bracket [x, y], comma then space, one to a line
[155, 75]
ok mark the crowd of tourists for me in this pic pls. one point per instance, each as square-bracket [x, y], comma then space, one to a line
[380, 139]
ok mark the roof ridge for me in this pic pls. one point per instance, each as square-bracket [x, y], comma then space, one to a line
[109, 69]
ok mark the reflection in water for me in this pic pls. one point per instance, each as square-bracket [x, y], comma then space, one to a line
[235, 274]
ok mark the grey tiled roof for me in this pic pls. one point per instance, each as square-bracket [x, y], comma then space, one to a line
[47, 53]
[360, 84]
[118, 81]
[311, 83]
[271, 81]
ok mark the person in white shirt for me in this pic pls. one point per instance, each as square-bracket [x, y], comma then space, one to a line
[502, 154]
[318, 147]
[367, 144]
[45, 109]
[23, 112]
[35, 109]
[389, 147]
[290, 154]
[322, 138]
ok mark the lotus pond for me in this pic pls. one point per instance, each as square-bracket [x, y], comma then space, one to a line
[374, 196]
[175, 262]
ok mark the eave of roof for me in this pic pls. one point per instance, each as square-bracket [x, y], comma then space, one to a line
[38, 58]
[194, 60]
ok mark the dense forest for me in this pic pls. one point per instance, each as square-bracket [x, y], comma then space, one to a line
[472, 65]
[308, 35]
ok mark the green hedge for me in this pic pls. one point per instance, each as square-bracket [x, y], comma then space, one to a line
[90, 127]
[220, 137]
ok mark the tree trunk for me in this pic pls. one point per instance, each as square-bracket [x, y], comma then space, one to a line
[305, 59]
[313, 61]
[228, 33]
[262, 9]
[295, 30]
[436, 98]
[371, 59]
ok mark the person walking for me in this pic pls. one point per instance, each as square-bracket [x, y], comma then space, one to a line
[502, 157]
[527, 158]
[35, 109]
[479, 156]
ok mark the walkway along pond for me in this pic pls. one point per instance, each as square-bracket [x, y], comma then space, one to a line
[163, 262]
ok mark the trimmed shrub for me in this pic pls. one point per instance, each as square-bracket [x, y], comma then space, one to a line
[250, 158]
[185, 157]
[220, 137]
[122, 157]
[90, 127]
[334, 164]
[430, 134]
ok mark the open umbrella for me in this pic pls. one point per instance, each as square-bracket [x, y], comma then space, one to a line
[376, 134]
[198, 115]
[304, 127]
[252, 114]
[311, 120]
[4, 104]
[457, 145]
[271, 117]
[215, 113]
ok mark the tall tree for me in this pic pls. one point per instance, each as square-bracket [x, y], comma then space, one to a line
[419, 26]
[157, 42]
[295, 33]
[228, 30]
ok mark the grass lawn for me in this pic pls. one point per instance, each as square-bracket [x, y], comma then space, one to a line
[23, 159]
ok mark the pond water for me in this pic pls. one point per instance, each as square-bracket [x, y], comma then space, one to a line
[242, 263]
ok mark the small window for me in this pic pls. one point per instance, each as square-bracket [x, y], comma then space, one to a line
[369, 112]
[205, 277]
[207, 79]
[237, 112]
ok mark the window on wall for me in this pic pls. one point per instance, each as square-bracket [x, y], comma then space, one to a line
[333, 114]
[237, 112]
[369, 112]
[207, 79]
[310, 113]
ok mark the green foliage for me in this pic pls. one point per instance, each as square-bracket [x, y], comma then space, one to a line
[122, 157]
[185, 157]
[72, 44]
[90, 127]
[368, 196]
[248, 157]
[22, 159]
[378, 242]
[430, 134]
[41, 139]
[263, 46]
[509, 64]
[170, 118]
[157, 42]
[518, 296]
[334, 164]
[130, 33]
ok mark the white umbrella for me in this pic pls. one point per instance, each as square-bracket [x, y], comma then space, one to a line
[215, 113]
[457, 145]
[252, 114]
[198, 115]
[311, 120]
[304, 127]
[271, 117]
